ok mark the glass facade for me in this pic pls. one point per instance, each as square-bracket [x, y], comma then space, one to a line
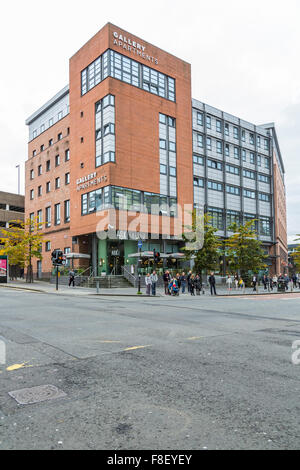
[127, 199]
[113, 64]
[105, 130]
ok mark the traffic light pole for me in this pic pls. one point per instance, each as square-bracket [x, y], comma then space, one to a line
[56, 277]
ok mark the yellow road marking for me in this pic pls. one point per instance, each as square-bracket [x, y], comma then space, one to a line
[109, 341]
[16, 366]
[137, 347]
[193, 338]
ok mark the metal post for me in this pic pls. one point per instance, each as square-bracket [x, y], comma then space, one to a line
[97, 286]
[56, 277]
[19, 187]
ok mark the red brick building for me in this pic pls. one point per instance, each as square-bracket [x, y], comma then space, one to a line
[126, 134]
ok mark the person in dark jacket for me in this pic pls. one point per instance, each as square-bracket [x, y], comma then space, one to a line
[198, 284]
[183, 280]
[188, 281]
[192, 284]
[167, 279]
[71, 278]
[212, 283]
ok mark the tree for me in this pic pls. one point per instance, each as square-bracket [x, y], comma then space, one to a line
[244, 251]
[296, 255]
[203, 243]
[22, 244]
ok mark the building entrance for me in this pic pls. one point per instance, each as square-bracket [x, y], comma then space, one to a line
[115, 257]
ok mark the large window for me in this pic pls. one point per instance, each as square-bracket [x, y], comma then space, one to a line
[216, 218]
[67, 211]
[232, 217]
[57, 214]
[129, 71]
[105, 130]
[265, 226]
[125, 199]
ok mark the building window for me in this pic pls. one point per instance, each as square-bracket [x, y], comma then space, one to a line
[219, 126]
[235, 133]
[198, 160]
[57, 183]
[40, 170]
[264, 178]
[243, 136]
[67, 211]
[233, 190]
[208, 122]
[48, 246]
[48, 187]
[267, 145]
[199, 182]
[67, 155]
[200, 119]
[40, 218]
[105, 130]
[57, 214]
[258, 160]
[48, 217]
[258, 141]
[39, 191]
[42, 148]
[264, 197]
[48, 165]
[34, 134]
[252, 158]
[215, 165]
[227, 150]
[163, 169]
[57, 160]
[208, 143]
[200, 140]
[251, 139]
[214, 186]
[232, 217]
[216, 218]
[236, 153]
[244, 157]
[234, 170]
[249, 194]
[67, 178]
[31, 174]
[226, 129]
[59, 137]
[59, 116]
[265, 226]
[129, 71]
[31, 194]
[249, 174]
[50, 142]
[50, 122]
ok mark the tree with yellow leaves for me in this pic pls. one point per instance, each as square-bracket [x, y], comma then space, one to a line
[22, 243]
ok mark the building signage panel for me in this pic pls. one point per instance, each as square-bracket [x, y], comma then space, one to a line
[90, 180]
[132, 46]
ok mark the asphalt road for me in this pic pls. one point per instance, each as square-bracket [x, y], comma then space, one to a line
[164, 373]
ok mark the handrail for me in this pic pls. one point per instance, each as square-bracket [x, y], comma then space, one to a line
[129, 276]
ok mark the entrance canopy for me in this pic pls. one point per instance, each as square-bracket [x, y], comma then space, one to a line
[77, 256]
[150, 254]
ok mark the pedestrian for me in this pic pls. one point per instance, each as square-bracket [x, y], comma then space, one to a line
[275, 280]
[178, 279]
[188, 280]
[198, 284]
[236, 281]
[265, 282]
[154, 280]
[286, 281]
[148, 283]
[192, 284]
[241, 283]
[71, 278]
[294, 279]
[254, 282]
[167, 278]
[229, 282]
[212, 283]
[183, 281]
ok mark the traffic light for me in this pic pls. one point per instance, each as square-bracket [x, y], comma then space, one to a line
[156, 256]
[57, 257]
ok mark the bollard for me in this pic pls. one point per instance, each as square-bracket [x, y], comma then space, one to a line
[97, 286]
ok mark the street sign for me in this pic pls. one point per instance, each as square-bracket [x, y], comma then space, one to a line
[140, 244]
[3, 269]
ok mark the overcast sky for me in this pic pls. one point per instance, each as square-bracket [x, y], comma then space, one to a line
[244, 56]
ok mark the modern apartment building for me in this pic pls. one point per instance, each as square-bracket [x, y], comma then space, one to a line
[125, 134]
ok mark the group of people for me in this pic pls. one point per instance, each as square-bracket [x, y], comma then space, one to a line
[284, 279]
[236, 280]
[180, 283]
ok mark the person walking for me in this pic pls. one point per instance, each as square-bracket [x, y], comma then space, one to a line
[286, 281]
[148, 283]
[198, 284]
[294, 279]
[229, 283]
[236, 281]
[275, 280]
[265, 282]
[167, 279]
[154, 280]
[71, 278]
[183, 281]
[212, 283]
[254, 283]
[188, 280]
[192, 284]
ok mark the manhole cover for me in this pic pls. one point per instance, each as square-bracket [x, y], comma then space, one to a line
[28, 396]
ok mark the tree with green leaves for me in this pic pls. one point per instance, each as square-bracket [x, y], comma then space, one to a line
[296, 255]
[202, 243]
[244, 252]
[22, 243]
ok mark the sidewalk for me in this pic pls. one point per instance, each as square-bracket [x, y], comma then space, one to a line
[46, 287]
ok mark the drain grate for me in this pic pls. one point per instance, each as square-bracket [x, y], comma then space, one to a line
[29, 396]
